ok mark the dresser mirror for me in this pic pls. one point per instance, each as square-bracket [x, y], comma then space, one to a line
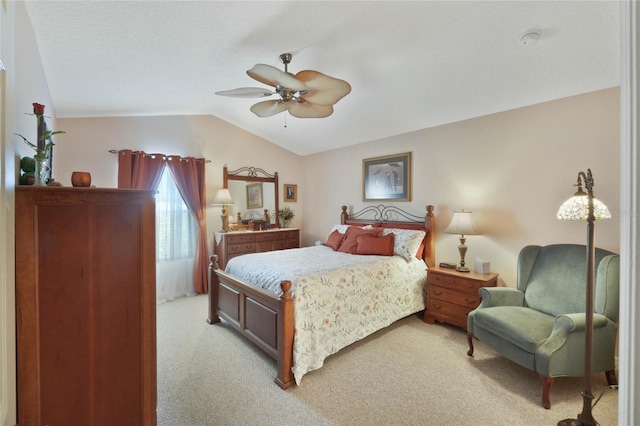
[253, 191]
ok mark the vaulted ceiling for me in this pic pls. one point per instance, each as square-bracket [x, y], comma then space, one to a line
[411, 65]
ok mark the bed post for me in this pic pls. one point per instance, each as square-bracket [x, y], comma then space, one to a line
[344, 216]
[213, 290]
[430, 224]
[285, 337]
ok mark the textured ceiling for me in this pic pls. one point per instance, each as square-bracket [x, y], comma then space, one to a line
[411, 65]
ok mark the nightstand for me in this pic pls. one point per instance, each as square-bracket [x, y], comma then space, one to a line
[451, 295]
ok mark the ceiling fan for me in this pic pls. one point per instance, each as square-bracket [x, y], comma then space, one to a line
[308, 94]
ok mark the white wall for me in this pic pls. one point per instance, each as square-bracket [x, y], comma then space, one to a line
[513, 169]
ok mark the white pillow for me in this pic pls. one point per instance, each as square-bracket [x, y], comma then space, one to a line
[406, 241]
[343, 228]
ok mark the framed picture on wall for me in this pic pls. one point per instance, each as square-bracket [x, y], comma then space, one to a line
[387, 178]
[254, 195]
[290, 193]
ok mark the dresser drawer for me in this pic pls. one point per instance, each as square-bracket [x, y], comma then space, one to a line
[467, 299]
[231, 244]
[265, 237]
[241, 248]
[287, 235]
[240, 238]
[455, 283]
[263, 246]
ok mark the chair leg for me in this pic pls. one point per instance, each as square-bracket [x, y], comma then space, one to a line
[470, 340]
[546, 386]
[612, 380]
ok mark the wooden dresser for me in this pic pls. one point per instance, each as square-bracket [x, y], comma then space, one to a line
[85, 306]
[451, 295]
[231, 244]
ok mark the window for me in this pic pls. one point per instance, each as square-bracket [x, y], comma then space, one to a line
[175, 226]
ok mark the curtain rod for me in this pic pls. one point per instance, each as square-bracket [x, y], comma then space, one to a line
[166, 157]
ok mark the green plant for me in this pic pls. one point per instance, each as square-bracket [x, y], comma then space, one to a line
[286, 213]
[45, 136]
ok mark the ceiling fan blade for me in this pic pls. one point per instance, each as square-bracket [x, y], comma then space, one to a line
[246, 92]
[322, 89]
[273, 77]
[309, 110]
[269, 108]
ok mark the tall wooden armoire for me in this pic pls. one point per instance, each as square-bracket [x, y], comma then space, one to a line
[85, 306]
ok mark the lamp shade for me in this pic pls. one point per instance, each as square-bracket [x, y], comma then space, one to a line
[223, 196]
[577, 208]
[462, 223]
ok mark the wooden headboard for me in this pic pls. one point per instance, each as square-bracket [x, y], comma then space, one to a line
[390, 217]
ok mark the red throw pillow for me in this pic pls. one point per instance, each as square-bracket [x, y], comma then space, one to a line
[368, 244]
[350, 242]
[334, 240]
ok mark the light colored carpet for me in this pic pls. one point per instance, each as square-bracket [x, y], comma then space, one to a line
[410, 373]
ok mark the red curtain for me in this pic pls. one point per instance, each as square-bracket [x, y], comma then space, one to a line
[188, 174]
[139, 170]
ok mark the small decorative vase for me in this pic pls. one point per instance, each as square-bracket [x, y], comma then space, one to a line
[81, 179]
[42, 170]
[285, 223]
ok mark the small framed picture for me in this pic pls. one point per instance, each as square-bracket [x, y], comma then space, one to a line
[254, 195]
[387, 178]
[290, 193]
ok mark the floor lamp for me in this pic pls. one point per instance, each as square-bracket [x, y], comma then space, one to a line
[580, 207]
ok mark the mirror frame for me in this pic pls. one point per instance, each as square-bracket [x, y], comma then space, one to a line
[254, 174]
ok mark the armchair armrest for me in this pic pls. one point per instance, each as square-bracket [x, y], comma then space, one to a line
[500, 296]
[556, 355]
[570, 323]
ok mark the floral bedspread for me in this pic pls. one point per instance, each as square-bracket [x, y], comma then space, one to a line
[339, 298]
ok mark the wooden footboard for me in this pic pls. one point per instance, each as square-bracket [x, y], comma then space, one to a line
[262, 317]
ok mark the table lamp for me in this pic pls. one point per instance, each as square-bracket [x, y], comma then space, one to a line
[223, 197]
[462, 224]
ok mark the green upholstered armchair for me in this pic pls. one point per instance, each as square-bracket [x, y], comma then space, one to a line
[541, 324]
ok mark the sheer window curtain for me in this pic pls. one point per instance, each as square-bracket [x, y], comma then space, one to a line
[189, 176]
[141, 170]
[176, 242]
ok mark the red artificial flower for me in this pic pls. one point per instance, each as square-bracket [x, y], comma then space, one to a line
[38, 109]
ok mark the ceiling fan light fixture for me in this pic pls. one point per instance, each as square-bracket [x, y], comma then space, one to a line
[314, 93]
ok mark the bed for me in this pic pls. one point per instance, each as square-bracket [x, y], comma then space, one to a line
[339, 297]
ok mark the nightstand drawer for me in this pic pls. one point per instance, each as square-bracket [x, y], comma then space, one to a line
[449, 310]
[466, 299]
[241, 248]
[454, 283]
[451, 295]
